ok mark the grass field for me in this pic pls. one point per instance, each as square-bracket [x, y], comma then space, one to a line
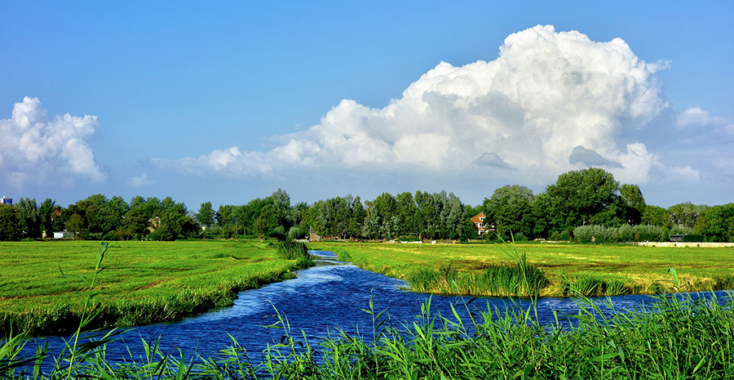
[141, 282]
[593, 270]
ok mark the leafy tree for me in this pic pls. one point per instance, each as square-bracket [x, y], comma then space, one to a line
[110, 215]
[135, 222]
[10, 228]
[509, 209]
[714, 223]
[206, 214]
[685, 214]
[76, 224]
[588, 196]
[635, 202]
[30, 219]
[48, 211]
[657, 216]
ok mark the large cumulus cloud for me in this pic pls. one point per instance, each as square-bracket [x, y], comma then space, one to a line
[550, 102]
[34, 146]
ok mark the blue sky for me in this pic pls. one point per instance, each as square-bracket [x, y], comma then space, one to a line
[175, 86]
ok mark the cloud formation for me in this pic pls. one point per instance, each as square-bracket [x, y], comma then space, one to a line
[546, 95]
[34, 146]
[695, 117]
[140, 181]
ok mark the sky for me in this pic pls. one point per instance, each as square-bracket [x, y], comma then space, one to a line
[229, 101]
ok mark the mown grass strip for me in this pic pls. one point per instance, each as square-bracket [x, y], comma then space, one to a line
[142, 282]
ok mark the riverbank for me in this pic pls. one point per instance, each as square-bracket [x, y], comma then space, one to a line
[44, 284]
[592, 270]
[679, 337]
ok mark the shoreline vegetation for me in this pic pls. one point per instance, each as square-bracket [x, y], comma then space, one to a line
[139, 282]
[593, 270]
[151, 282]
[679, 336]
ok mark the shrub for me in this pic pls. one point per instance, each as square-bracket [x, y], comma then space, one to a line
[681, 230]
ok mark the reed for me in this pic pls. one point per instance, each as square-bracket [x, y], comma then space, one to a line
[521, 279]
[675, 338]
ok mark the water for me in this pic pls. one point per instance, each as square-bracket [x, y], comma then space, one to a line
[321, 300]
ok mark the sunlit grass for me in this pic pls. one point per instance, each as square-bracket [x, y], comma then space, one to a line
[142, 282]
[609, 269]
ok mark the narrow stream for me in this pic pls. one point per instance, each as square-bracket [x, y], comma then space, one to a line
[321, 300]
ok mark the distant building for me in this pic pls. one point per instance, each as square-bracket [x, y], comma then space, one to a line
[685, 238]
[6, 201]
[478, 221]
[312, 235]
[154, 223]
[63, 235]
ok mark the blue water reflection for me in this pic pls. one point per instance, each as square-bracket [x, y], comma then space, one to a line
[321, 300]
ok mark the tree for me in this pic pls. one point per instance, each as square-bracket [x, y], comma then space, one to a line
[10, 228]
[509, 209]
[206, 214]
[714, 223]
[588, 196]
[30, 220]
[657, 216]
[76, 224]
[634, 201]
[685, 214]
[135, 222]
[47, 212]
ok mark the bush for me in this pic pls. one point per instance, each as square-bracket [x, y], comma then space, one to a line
[110, 236]
[684, 230]
[646, 232]
[520, 237]
[295, 233]
[624, 233]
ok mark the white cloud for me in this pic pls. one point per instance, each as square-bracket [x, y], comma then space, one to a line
[696, 117]
[546, 94]
[140, 181]
[34, 146]
[686, 172]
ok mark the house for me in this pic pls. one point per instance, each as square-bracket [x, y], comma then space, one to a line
[312, 235]
[63, 235]
[478, 221]
[154, 223]
[6, 201]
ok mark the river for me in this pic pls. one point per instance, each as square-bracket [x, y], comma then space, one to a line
[321, 300]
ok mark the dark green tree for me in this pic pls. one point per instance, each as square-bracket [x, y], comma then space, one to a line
[30, 218]
[206, 214]
[714, 222]
[510, 210]
[634, 201]
[10, 228]
[657, 216]
[583, 197]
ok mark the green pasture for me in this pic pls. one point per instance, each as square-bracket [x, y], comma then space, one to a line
[595, 270]
[43, 284]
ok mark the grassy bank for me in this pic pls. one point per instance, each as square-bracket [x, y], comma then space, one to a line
[676, 340]
[41, 283]
[593, 270]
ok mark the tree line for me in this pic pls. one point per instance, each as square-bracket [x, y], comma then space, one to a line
[589, 197]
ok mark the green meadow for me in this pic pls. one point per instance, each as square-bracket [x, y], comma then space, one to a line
[592, 269]
[43, 284]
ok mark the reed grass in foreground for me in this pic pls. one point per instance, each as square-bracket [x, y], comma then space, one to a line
[676, 339]
[593, 270]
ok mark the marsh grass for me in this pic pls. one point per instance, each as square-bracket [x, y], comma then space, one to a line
[520, 279]
[675, 338]
[623, 269]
